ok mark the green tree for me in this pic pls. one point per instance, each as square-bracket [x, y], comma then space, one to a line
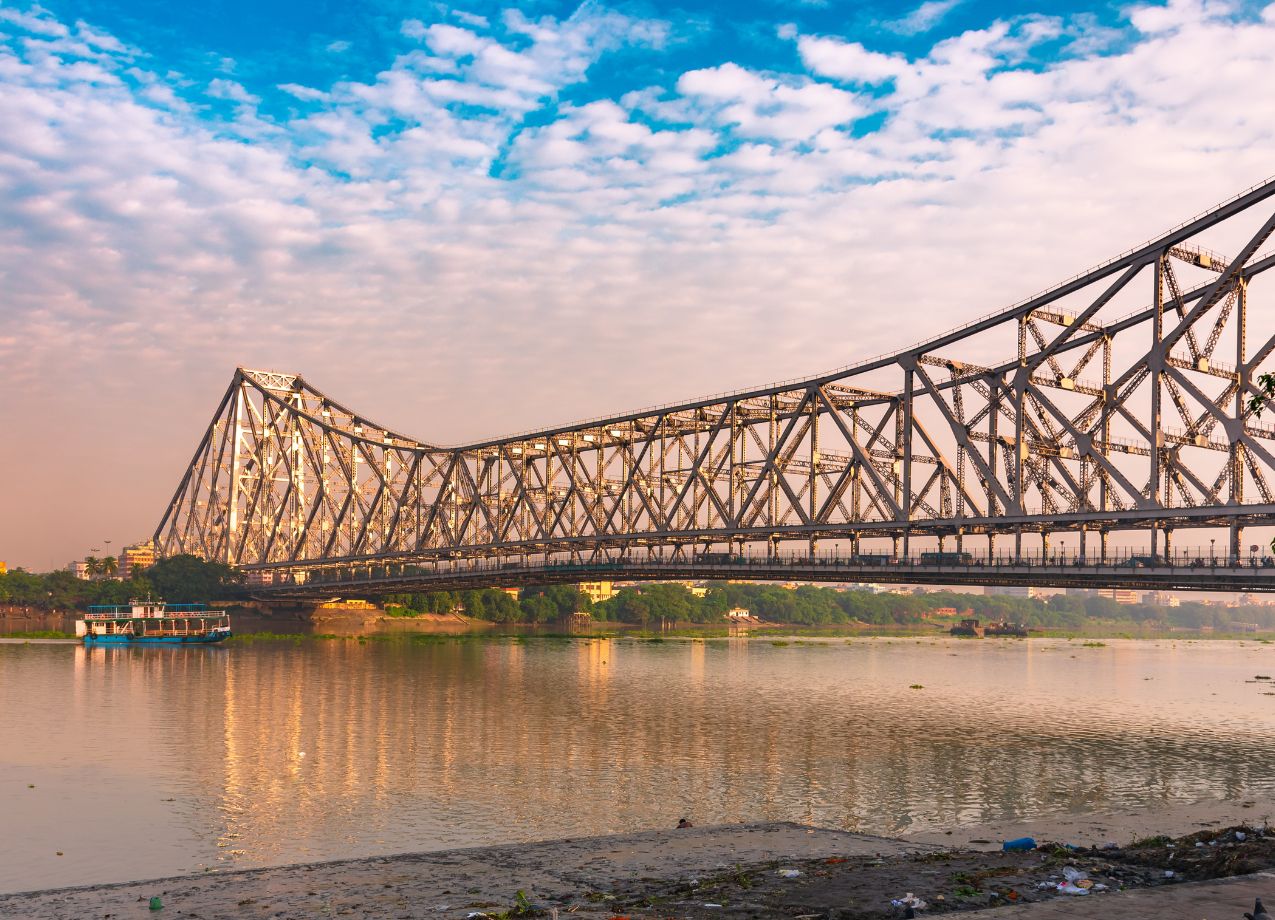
[188, 579]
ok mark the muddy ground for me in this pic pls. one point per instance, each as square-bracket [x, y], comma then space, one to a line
[741, 871]
[855, 887]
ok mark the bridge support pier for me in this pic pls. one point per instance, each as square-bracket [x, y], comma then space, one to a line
[1168, 544]
[1083, 534]
[1102, 544]
[1237, 542]
[1155, 542]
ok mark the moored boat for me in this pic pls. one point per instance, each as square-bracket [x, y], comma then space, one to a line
[1006, 628]
[151, 622]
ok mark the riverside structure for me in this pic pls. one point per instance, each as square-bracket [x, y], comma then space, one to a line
[1124, 404]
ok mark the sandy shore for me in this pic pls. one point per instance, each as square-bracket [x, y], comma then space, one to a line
[1116, 826]
[745, 872]
[456, 883]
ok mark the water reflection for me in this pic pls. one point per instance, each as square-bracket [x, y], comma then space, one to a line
[151, 760]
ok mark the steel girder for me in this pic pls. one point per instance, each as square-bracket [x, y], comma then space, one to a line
[1123, 405]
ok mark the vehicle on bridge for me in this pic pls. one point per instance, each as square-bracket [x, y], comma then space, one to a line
[873, 559]
[943, 558]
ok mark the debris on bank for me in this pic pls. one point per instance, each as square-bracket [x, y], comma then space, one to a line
[925, 884]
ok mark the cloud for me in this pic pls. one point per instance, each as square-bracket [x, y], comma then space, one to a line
[924, 18]
[232, 91]
[849, 61]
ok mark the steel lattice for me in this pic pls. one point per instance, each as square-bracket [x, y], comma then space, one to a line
[1123, 405]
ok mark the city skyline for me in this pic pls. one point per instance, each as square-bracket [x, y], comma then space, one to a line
[481, 221]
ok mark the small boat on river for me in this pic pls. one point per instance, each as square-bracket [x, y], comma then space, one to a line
[151, 622]
[1005, 628]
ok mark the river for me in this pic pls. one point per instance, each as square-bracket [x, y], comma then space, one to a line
[126, 763]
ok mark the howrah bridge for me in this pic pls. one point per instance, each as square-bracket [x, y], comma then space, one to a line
[1098, 434]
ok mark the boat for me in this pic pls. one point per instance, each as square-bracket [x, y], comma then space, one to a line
[1005, 628]
[968, 628]
[152, 622]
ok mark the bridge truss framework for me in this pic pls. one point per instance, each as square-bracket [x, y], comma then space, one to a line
[1124, 404]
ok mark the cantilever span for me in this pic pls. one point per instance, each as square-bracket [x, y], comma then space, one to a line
[1116, 401]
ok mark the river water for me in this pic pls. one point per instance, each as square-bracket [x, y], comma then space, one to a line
[154, 761]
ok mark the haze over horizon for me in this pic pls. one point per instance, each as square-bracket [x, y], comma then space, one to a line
[467, 221]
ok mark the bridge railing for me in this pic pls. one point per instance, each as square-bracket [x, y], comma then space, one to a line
[859, 565]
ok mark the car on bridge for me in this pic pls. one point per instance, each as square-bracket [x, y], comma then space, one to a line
[945, 558]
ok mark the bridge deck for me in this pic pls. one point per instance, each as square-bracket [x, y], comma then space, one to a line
[1256, 574]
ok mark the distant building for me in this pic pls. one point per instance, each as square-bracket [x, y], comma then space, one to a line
[597, 591]
[4, 569]
[1122, 596]
[738, 613]
[1244, 627]
[78, 569]
[1163, 599]
[1254, 600]
[136, 558]
[1014, 591]
[515, 593]
[1081, 592]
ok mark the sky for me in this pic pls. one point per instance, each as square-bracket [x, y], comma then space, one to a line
[470, 220]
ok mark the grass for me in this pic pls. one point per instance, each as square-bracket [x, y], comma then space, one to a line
[38, 634]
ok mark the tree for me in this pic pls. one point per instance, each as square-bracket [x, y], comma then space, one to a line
[188, 579]
[110, 565]
[537, 608]
[501, 607]
[1256, 403]
[92, 566]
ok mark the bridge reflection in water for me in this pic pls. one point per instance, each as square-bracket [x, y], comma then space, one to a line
[435, 743]
[1120, 403]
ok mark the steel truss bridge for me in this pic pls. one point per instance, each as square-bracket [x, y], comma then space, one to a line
[1117, 402]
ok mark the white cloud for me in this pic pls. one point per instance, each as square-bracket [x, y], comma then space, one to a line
[924, 18]
[232, 91]
[761, 106]
[1178, 14]
[304, 93]
[849, 61]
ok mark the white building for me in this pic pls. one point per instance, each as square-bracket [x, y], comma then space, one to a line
[1015, 591]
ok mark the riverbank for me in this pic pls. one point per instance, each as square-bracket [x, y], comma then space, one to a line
[743, 871]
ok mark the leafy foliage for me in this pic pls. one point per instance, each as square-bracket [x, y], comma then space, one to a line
[181, 579]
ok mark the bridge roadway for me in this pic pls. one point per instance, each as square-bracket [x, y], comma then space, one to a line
[1184, 571]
